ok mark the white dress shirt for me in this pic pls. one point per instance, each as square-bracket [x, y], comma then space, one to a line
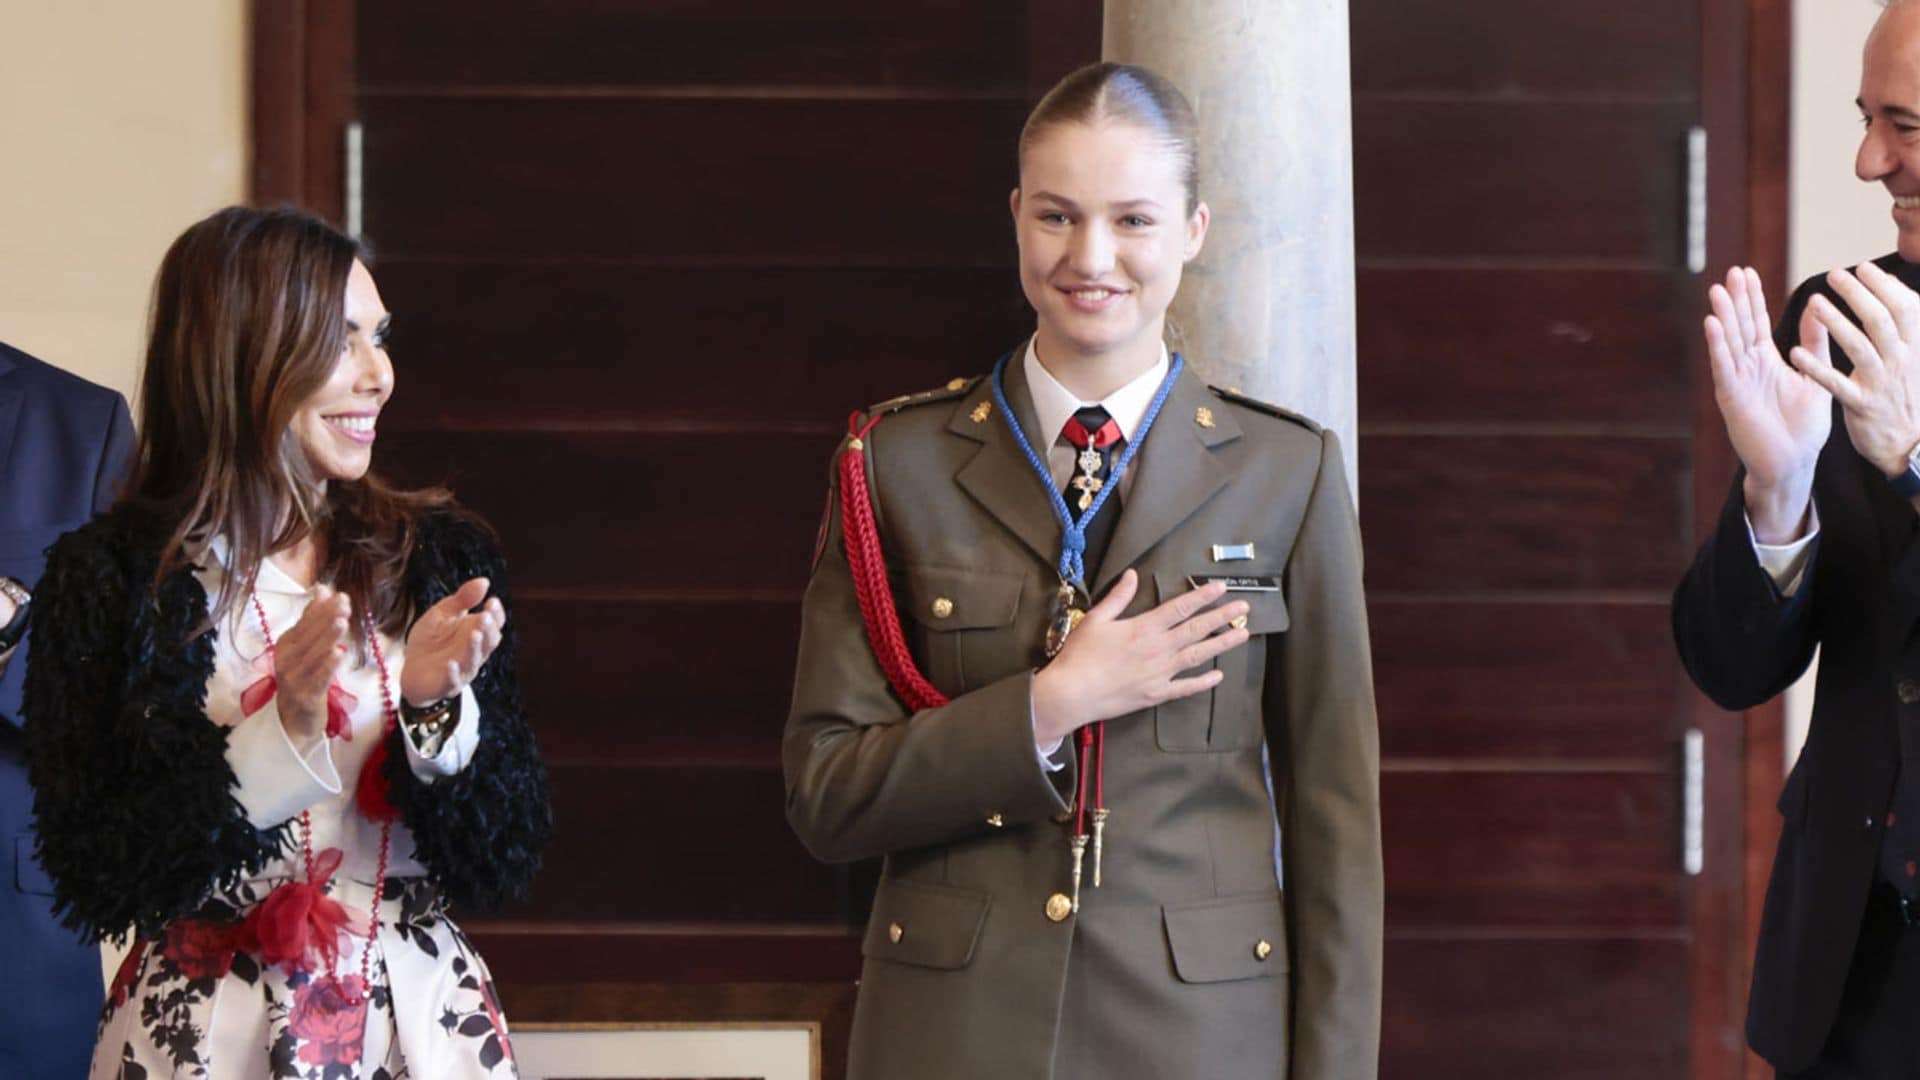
[1053, 406]
[1786, 563]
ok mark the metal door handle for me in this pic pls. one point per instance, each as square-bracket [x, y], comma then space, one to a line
[1696, 200]
[353, 157]
[1693, 841]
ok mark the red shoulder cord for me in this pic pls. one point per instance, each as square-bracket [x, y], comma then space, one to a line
[868, 566]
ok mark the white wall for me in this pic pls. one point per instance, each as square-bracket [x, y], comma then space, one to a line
[1834, 219]
[121, 122]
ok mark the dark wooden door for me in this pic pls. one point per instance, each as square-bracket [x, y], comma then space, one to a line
[645, 256]
[1532, 464]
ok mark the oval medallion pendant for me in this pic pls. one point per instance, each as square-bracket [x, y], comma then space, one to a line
[1069, 607]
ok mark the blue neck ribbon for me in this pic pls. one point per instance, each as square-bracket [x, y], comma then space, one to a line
[1073, 534]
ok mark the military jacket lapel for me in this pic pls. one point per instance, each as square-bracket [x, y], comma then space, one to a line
[998, 477]
[1175, 474]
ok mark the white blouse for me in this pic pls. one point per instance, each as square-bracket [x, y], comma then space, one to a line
[274, 780]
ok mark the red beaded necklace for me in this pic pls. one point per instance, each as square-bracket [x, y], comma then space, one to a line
[375, 762]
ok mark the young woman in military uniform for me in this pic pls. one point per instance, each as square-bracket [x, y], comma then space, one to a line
[1073, 798]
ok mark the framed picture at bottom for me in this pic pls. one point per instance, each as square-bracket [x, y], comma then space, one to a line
[677, 1051]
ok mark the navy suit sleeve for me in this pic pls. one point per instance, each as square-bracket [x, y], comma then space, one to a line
[116, 453]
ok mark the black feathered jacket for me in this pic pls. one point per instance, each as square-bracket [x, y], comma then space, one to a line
[133, 796]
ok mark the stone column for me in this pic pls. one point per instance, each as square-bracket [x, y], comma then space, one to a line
[1268, 306]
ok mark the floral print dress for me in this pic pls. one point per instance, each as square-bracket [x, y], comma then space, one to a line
[413, 1000]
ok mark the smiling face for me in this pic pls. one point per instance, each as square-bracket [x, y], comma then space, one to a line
[336, 426]
[1890, 105]
[1104, 233]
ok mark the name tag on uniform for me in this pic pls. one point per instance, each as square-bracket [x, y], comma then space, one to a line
[1237, 584]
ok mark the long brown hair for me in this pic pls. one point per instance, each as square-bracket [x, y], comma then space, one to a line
[1125, 92]
[247, 324]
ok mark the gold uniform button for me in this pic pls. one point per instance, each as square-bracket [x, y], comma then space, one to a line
[1908, 690]
[956, 384]
[1239, 622]
[1261, 950]
[942, 607]
[1059, 907]
[996, 820]
[1203, 416]
[895, 932]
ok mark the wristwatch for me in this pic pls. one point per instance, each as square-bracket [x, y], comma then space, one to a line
[16, 628]
[1907, 481]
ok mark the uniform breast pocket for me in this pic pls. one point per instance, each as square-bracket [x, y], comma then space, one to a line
[965, 617]
[1227, 717]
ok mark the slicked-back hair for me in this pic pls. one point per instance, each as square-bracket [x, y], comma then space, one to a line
[1107, 92]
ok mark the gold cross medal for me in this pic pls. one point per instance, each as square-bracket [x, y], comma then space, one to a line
[1087, 486]
[1086, 483]
[1069, 607]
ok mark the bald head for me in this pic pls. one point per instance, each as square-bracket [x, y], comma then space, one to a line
[1890, 105]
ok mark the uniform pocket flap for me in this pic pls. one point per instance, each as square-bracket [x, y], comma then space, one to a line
[1266, 606]
[932, 926]
[957, 598]
[1222, 940]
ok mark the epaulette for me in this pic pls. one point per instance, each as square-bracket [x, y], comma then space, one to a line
[1233, 394]
[952, 389]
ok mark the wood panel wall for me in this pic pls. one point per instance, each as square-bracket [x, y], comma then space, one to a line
[645, 255]
[1527, 424]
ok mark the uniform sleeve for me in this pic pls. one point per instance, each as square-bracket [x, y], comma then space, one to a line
[1320, 715]
[480, 830]
[134, 800]
[864, 777]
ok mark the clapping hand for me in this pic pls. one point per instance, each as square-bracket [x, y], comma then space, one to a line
[1777, 418]
[308, 658]
[450, 642]
[1880, 400]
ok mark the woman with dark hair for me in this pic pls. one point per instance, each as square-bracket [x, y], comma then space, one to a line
[1064, 620]
[272, 719]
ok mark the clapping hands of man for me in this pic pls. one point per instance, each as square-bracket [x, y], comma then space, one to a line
[1778, 417]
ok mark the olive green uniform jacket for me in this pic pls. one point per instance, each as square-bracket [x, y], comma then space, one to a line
[1189, 961]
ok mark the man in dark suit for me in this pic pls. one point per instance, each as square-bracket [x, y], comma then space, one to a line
[64, 445]
[1819, 545]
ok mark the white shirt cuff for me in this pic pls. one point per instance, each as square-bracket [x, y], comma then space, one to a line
[1045, 753]
[456, 751]
[1786, 564]
[273, 780]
